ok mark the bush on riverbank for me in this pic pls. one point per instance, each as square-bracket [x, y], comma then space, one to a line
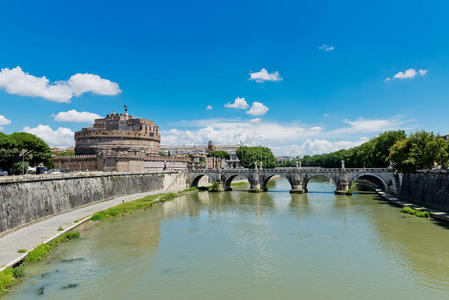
[9, 277]
[43, 250]
[136, 205]
[418, 213]
[7, 280]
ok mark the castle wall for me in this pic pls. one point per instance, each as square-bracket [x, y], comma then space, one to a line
[29, 198]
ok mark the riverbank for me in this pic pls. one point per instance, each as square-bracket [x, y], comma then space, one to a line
[43, 231]
[8, 276]
[439, 215]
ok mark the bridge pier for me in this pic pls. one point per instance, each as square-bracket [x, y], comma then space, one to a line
[297, 189]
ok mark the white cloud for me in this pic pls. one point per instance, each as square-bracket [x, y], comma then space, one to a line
[61, 137]
[4, 120]
[17, 82]
[263, 75]
[290, 139]
[370, 126]
[209, 107]
[326, 47]
[257, 109]
[407, 74]
[423, 72]
[235, 131]
[76, 116]
[239, 103]
[83, 83]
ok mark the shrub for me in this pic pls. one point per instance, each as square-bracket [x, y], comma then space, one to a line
[21, 250]
[415, 212]
[139, 204]
[18, 272]
[349, 192]
[60, 228]
[215, 187]
[6, 279]
[43, 250]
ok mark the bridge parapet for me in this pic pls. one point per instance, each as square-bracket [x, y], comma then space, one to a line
[299, 177]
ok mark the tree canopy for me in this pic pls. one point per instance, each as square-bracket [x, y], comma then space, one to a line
[21, 146]
[249, 156]
[371, 154]
[219, 154]
[421, 150]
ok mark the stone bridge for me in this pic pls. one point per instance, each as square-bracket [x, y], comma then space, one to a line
[299, 177]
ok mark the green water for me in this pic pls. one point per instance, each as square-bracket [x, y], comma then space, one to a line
[239, 245]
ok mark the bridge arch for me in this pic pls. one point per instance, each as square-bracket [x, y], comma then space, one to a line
[196, 179]
[230, 178]
[268, 177]
[373, 178]
[328, 176]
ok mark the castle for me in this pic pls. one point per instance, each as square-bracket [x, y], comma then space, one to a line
[119, 143]
[118, 132]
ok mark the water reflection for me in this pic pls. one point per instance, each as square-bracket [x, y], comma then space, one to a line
[243, 245]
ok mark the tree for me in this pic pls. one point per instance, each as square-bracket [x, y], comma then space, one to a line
[23, 147]
[371, 154]
[219, 154]
[250, 156]
[421, 150]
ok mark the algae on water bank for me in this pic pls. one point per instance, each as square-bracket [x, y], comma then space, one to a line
[136, 205]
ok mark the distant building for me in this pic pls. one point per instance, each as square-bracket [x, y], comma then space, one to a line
[446, 137]
[202, 150]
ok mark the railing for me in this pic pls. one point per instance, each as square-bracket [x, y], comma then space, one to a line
[294, 169]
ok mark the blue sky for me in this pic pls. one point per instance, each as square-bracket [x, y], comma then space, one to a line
[170, 60]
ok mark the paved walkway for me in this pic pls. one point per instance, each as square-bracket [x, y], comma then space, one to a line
[29, 237]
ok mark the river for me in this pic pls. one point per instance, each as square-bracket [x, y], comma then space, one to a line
[239, 245]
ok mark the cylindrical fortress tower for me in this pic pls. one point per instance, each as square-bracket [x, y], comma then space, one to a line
[118, 132]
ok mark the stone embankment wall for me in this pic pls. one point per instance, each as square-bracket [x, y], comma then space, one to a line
[24, 200]
[430, 189]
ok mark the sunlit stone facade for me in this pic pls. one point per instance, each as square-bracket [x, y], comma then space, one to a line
[118, 133]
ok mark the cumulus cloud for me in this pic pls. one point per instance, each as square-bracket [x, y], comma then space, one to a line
[315, 146]
[209, 107]
[326, 47]
[16, 81]
[4, 120]
[236, 131]
[257, 109]
[61, 137]
[263, 76]
[370, 125]
[290, 139]
[239, 103]
[76, 116]
[408, 74]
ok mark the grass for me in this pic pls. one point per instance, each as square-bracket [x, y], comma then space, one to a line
[9, 277]
[41, 251]
[136, 205]
[22, 251]
[60, 228]
[415, 212]
[80, 219]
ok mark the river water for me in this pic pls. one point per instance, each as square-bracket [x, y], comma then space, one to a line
[239, 245]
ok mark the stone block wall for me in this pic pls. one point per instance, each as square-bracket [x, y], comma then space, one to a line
[430, 189]
[29, 199]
